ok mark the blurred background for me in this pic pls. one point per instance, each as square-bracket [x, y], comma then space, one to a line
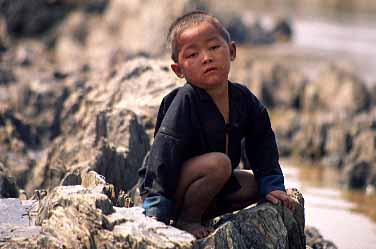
[311, 62]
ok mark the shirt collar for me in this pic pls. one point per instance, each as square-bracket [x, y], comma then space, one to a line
[204, 96]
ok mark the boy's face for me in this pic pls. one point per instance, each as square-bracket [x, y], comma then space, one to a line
[204, 57]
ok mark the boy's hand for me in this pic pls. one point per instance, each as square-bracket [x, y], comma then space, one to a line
[278, 195]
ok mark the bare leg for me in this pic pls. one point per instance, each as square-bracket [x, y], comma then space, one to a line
[240, 199]
[201, 179]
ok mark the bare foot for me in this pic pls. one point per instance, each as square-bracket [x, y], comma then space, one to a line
[194, 228]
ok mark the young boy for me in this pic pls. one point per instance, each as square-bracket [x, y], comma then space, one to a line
[190, 173]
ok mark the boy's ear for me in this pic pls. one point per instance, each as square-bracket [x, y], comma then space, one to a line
[177, 70]
[232, 46]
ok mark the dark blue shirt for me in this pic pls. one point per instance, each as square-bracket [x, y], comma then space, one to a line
[189, 124]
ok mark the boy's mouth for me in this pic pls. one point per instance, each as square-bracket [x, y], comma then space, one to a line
[210, 69]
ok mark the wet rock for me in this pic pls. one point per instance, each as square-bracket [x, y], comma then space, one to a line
[337, 91]
[356, 175]
[315, 239]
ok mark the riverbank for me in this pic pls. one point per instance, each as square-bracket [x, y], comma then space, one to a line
[345, 217]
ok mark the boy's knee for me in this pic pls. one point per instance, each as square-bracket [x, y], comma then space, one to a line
[220, 165]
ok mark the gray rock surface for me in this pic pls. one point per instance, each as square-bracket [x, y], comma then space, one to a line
[336, 90]
[316, 241]
[84, 217]
[17, 219]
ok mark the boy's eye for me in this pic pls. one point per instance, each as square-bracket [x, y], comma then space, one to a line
[214, 47]
[191, 55]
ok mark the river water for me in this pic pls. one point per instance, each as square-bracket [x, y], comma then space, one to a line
[344, 217]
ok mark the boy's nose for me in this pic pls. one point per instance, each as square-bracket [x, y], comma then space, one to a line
[207, 58]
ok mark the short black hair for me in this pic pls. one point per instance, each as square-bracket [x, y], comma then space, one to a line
[188, 20]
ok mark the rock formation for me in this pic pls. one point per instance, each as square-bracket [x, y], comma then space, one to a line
[83, 216]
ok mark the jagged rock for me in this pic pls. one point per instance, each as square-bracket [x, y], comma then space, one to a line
[120, 21]
[364, 146]
[338, 145]
[133, 228]
[76, 217]
[8, 188]
[79, 217]
[114, 147]
[40, 112]
[38, 16]
[316, 241]
[124, 200]
[309, 141]
[66, 196]
[336, 90]
[355, 176]
[263, 226]
[275, 85]
[286, 123]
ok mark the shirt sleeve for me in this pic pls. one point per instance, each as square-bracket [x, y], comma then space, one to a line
[262, 152]
[170, 147]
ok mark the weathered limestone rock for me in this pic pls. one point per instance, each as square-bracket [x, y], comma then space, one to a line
[121, 20]
[79, 217]
[263, 226]
[131, 227]
[89, 121]
[309, 141]
[338, 145]
[286, 123]
[338, 91]
[114, 146]
[66, 196]
[249, 31]
[275, 85]
[25, 19]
